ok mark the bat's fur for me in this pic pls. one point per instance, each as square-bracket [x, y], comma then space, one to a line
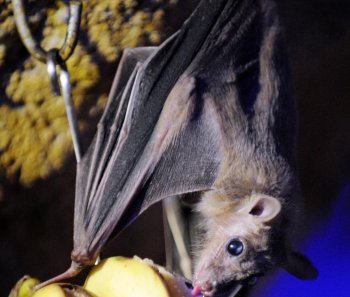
[256, 197]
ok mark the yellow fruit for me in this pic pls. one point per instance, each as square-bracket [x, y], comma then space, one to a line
[176, 286]
[52, 290]
[61, 290]
[125, 277]
[24, 287]
[27, 287]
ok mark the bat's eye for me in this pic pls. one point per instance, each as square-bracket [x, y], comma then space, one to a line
[235, 247]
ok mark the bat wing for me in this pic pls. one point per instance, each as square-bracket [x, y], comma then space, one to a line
[92, 168]
[162, 133]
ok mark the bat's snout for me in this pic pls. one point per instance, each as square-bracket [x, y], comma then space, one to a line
[206, 289]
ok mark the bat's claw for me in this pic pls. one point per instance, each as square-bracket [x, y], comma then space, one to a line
[73, 271]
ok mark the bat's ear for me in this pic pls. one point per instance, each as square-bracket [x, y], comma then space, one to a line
[300, 266]
[263, 208]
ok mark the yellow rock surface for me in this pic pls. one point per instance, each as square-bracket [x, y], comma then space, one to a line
[34, 136]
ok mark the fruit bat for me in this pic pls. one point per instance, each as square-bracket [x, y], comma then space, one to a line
[209, 111]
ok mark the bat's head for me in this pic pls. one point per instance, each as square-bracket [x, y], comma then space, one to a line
[243, 241]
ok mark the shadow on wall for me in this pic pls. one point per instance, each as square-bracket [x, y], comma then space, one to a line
[329, 249]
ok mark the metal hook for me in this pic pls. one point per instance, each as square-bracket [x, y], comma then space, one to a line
[60, 85]
[51, 63]
[35, 49]
[55, 59]
[67, 96]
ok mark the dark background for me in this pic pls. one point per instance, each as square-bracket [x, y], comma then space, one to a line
[36, 222]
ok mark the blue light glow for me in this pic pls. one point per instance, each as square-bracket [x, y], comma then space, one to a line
[329, 250]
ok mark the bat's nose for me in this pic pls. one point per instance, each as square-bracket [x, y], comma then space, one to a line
[206, 289]
[196, 291]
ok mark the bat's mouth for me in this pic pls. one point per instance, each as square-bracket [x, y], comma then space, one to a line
[230, 288]
[227, 289]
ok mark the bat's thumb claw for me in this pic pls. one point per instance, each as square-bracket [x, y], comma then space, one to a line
[73, 270]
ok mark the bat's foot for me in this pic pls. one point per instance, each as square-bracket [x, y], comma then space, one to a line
[73, 271]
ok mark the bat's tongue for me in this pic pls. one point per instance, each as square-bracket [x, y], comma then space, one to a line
[196, 291]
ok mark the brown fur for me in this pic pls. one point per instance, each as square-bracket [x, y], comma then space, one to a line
[253, 169]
